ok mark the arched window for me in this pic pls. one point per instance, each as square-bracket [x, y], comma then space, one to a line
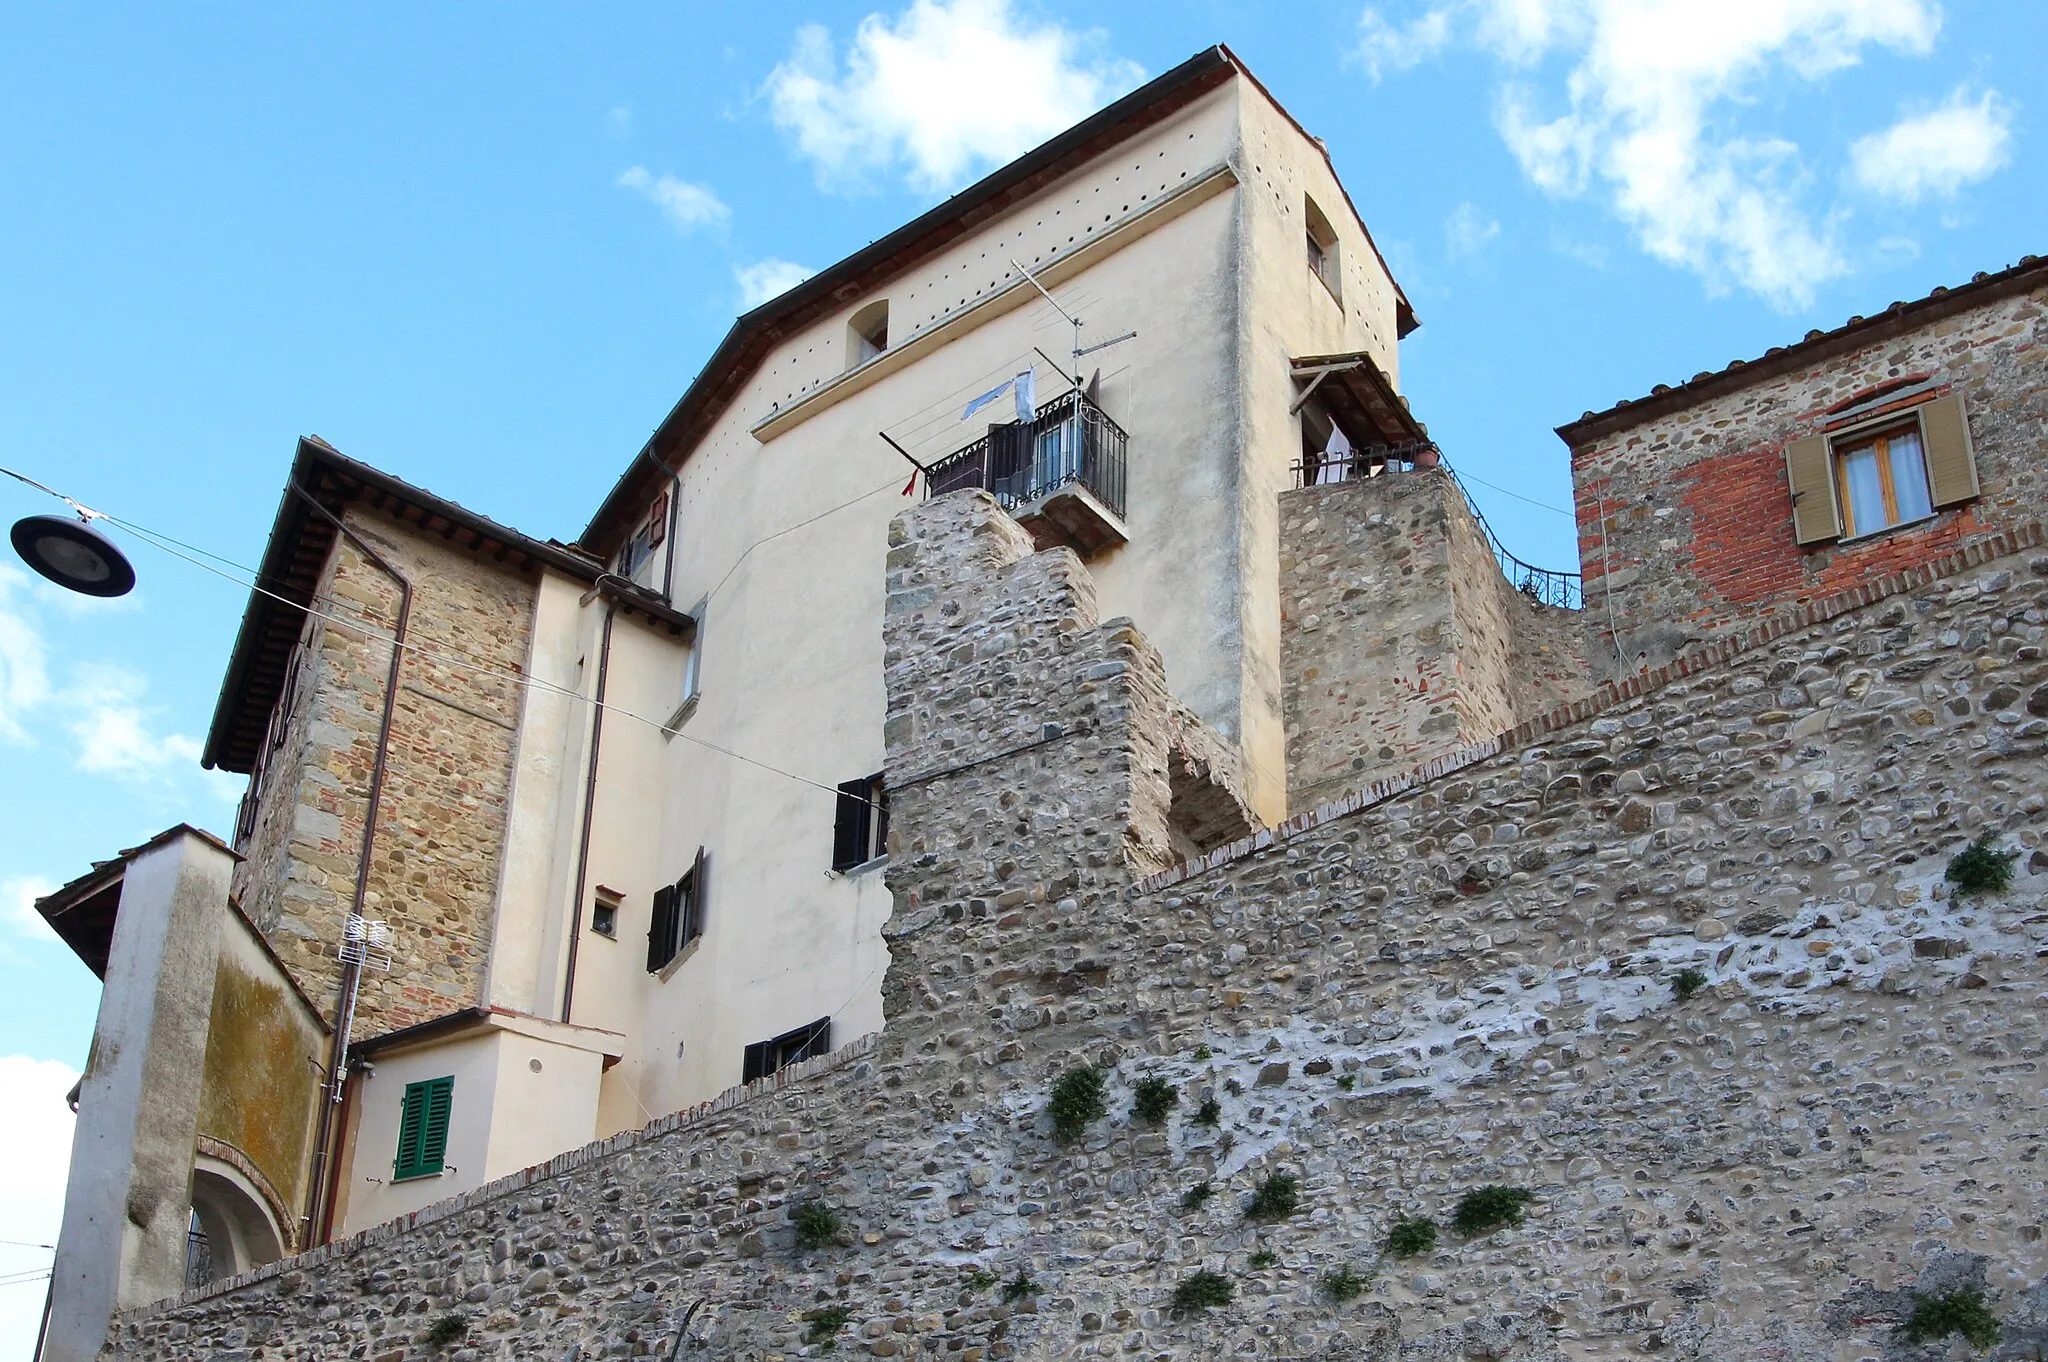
[867, 333]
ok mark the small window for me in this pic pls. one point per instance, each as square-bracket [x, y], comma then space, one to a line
[678, 917]
[604, 914]
[1869, 479]
[806, 1042]
[1322, 248]
[860, 832]
[423, 1129]
[637, 551]
[867, 333]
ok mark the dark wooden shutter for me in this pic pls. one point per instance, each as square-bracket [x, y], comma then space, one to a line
[434, 1139]
[691, 894]
[1951, 466]
[850, 825]
[1810, 468]
[759, 1062]
[412, 1125]
[423, 1128]
[879, 793]
[661, 929]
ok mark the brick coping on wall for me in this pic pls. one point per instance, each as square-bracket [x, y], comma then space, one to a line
[563, 1163]
[1607, 695]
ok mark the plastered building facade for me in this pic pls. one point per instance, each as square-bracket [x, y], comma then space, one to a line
[1214, 748]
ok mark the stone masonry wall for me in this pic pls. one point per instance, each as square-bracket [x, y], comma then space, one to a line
[1401, 639]
[1685, 520]
[1455, 978]
[435, 862]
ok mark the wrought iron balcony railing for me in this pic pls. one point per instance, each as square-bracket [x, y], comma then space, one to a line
[1072, 441]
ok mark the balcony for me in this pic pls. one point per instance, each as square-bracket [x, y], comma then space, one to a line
[1061, 475]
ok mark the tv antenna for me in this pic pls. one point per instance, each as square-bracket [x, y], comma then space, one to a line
[365, 944]
[1079, 349]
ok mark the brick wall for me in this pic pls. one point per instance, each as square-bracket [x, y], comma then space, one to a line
[435, 862]
[1685, 519]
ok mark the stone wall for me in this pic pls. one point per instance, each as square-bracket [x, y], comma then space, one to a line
[1685, 519]
[1458, 978]
[1402, 640]
[435, 862]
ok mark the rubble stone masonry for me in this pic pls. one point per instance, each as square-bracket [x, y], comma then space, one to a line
[1685, 518]
[435, 861]
[1448, 980]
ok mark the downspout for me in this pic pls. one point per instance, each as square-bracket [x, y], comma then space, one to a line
[318, 1203]
[580, 887]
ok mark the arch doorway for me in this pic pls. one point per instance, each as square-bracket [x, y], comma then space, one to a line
[231, 1231]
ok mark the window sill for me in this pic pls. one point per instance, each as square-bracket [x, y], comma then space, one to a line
[1871, 536]
[675, 962]
[867, 867]
[418, 1177]
[681, 716]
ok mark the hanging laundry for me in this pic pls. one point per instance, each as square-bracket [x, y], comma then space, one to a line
[1335, 465]
[1025, 387]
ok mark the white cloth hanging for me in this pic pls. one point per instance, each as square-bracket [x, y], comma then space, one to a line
[1335, 465]
[1024, 385]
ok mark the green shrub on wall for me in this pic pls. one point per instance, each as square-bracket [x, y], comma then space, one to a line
[1961, 1311]
[1982, 867]
[1204, 1291]
[1278, 1197]
[817, 1225]
[1485, 1209]
[1410, 1236]
[1078, 1101]
[1152, 1099]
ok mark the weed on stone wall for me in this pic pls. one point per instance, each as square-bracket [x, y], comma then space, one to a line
[1078, 1101]
[1485, 1209]
[981, 1279]
[1197, 1196]
[1209, 1113]
[447, 1330]
[1204, 1291]
[1960, 1311]
[1410, 1236]
[1018, 1287]
[1688, 982]
[1263, 1257]
[1342, 1284]
[1346, 1082]
[817, 1225]
[1982, 867]
[1152, 1099]
[825, 1324]
[1278, 1197]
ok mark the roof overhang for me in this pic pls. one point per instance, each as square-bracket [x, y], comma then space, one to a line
[476, 1021]
[1361, 397]
[2030, 273]
[84, 912]
[296, 556]
[756, 333]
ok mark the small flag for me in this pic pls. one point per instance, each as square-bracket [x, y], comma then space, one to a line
[911, 486]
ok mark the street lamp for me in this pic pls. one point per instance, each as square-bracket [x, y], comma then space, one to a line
[73, 555]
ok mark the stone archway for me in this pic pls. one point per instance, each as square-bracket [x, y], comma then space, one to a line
[239, 1232]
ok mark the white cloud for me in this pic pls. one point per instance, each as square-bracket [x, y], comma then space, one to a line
[1468, 231]
[1648, 117]
[113, 729]
[1936, 153]
[18, 895]
[35, 1151]
[24, 661]
[944, 89]
[1384, 47]
[687, 206]
[765, 279]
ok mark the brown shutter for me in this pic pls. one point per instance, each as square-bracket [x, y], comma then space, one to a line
[1951, 468]
[1811, 470]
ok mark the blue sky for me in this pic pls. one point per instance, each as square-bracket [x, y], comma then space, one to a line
[486, 247]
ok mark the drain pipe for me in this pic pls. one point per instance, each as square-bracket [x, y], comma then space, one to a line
[580, 887]
[320, 1203]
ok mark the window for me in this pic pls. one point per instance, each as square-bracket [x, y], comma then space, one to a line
[678, 917]
[423, 1128]
[604, 914]
[637, 551]
[1874, 476]
[806, 1042]
[867, 333]
[1322, 248]
[860, 831]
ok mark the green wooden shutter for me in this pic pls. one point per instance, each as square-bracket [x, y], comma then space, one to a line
[423, 1128]
[1951, 468]
[1810, 468]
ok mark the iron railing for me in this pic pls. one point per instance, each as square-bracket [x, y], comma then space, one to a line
[1565, 590]
[198, 1258]
[1070, 441]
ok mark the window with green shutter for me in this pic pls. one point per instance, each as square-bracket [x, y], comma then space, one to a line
[423, 1128]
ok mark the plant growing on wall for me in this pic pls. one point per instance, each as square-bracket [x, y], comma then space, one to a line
[1209, 1113]
[825, 1324]
[1278, 1197]
[1197, 1196]
[1411, 1235]
[1688, 982]
[1205, 1290]
[1982, 867]
[1151, 1099]
[817, 1225]
[1485, 1209]
[1078, 1100]
[1018, 1287]
[447, 1330]
[1962, 1310]
[1263, 1257]
[1343, 1284]
[981, 1279]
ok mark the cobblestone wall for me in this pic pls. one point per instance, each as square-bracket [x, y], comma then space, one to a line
[1460, 979]
[1685, 518]
[434, 869]
[1401, 639]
